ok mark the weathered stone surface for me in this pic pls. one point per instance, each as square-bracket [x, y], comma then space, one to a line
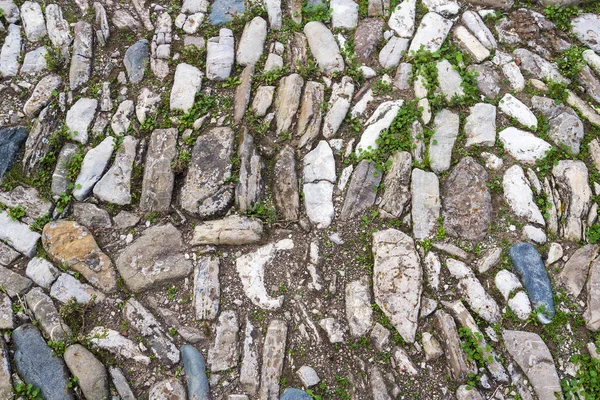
[338, 105]
[37, 145]
[446, 126]
[358, 307]
[60, 176]
[89, 371]
[220, 54]
[222, 11]
[58, 29]
[470, 44]
[115, 185]
[287, 101]
[402, 19]
[530, 267]
[6, 388]
[367, 37]
[6, 316]
[286, 188]
[42, 272]
[362, 190]
[81, 62]
[587, 29]
[232, 230]
[431, 33]
[539, 67]
[480, 127]
[391, 53]
[249, 374]
[252, 42]
[153, 259]
[575, 193]
[426, 203]
[41, 95]
[18, 235]
[378, 122]
[66, 287]
[397, 281]
[120, 120]
[159, 178]
[224, 353]
[319, 177]
[519, 195]
[262, 100]
[592, 312]
[333, 329]
[488, 79]
[37, 365]
[250, 188]
[523, 146]
[344, 14]
[242, 94]
[251, 270]
[575, 271]
[28, 198]
[11, 11]
[308, 376]
[11, 49]
[13, 283]
[273, 357]
[47, 315]
[309, 119]
[79, 118]
[513, 107]
[396, 182]
[450, 81]
[458, 362]
[168, 389]
[33, 21]
[94, 163]
[195, 371]
[187, 82]
[532, 355]
[324, 47]
[467, 201]
[113, 342]
[71, 244]
[136, 60]
[206, 288]
[475, 24]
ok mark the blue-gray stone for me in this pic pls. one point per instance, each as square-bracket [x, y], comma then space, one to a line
[294, 394]
[136, 60]
[11, 140]
[38, 365]
[530, 267]
[195, 370]
[222, 11]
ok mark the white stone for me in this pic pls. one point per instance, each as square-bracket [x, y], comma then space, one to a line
[115, 185]
[555, 253]
[33, 21]
[480, 127]
[475, 24]
[80, 117]
[446, 126]
[42, 272]
[513, 107]
[113, 342]
[426, 203]
[274, 12]
[390, 55]
[523, 146]
[324, 47]
[449, 79]
[592, 59]
[252, 42]
[66, 287]
[520, 305]
[468, 42]
[344, 14]
[93, 165]
[358, 307]
[519, 196]
[308, 376]
[34, 61]
[402, 19]
[333, 330]
[339, 103]
[507, 282]
[446, 8]
[187, 82]
[11, 50]
[120, 120]
[18, 235]
[534, 234]
[512, 72]
[220, 55]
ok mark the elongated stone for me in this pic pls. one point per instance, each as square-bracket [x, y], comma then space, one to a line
[426, 203]
[362, 190]
[338, 106]
[89, 371]
[287, 101]
[380, 120]
[459, 364]
[592, 312]
[94, 163]
[11, 49]
[81, 62]
[287, 196]
[358, 307]
[431, 33]
[113, 342]
[446, 126]
[273, 357]
[223, 355]
[47, 315]
[159, 178]
[115, 185]
[6, 388]
[250, 188]
[195, 370]
[575, 192]
[396, 185]
[324, 47]
[309, 119]
[18, 235]
[206, 288]
[249, 373]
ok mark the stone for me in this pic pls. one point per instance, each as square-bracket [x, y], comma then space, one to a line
[249, 379]
[519, 195]
[539, 67]
[391, 53]
[6, 388]
[460, 366]
[475, 24]
[523, 146]
[18, 235]
[380, 337]
[194, 6]
[287, 101]
[426, 203]
[141, 320]
[6, 313]
[29, 199]
[195, 371]
[467, 205]
[115, 185]
[584, 109]
[155, 258]
[146, 103]
[450, 81]
[273, 357]
[81, 62]
[222, 11]
[338, 105]
[37, 365]
[575, 271]
[397, 283]
[446, 127]
[575, 193]
[308, 376]
[250, 188]
[396, 183]
[262, 100]
[220, 53]
[34, 61]
[530, 267]
[319, 177]
[532, 355]
[101, 20]
[159, 177]
[592, 59]
[431, 33]
[37, 145]
[286, 188]
[42, 272]
[586, 27]
[251, 270]
[232, 230]
[488, 79]
[206, 191]
[136, 60]
[333, 330]
[189, 23]
[403, 362]
[362, 191]
[60, 176]
[565, 126]
[534, 234]
[381, 120]
[120, 383]
[11, 11]
[309, 119]
[109, 340]
[295, 394]
[66, 287]
[402, 80]
[242, 94]
[120, 120]
[473, 292]
[378, 388]
[14, 284]
[480, 127]
[94, 163]
[402, 19]
[7, 254]
[11, 50]
[41, 95]
[324, 47]
[187, 82]
[168, 389]
[274, 12]
[80, 117]
[470, 44]
[465, 392]
[344, 14]
[431, 347]
[91, 375]
[206, 288]
[511, 106]
[367, 37]
[125, 219]
[252, 42]
[592, 313]
[224, 354]
[47, 315]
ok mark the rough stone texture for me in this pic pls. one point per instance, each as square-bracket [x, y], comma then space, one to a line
[168, 389]
[66, 287]
[6, 388]
[367, 37]
[381, 120]
[431, 33]
[575, 271]
[11, 49]
[252, 42]
[338, 105]
[459, 365]
[402, 19]
[358, 307]
[81, 62]
[513, 107]
[92, 167]
[156, 257]
[565, 126]
[72, 245]
[47, 315]
[344, 14]
[467, 202]
[91, 374]
[362, 190]
[242, 93]
[79, 118]
[249, 374]
[115, 185]
[206, 288]
[232, 230]
[488, 79]
[470, 44]
[397, 281]
[224, 354]
[539, 67]
[187, 82]
[136, 60]
[28, 198]
[309, 118]
[426, 203]
[33, 21]
[592, 312]
[524, 146]
[575, 193]
[532, 355]
[159, 178]
[519, 195]
[587, 29]
[480, 127]
[273, 357]
[42, 272]
[220, 55]
[396, 182]
[195, 370]
[446, 126]
[286, 189]
[287, 101]
[18, 235]
[324, 47]
[60, 177]
[113, 342]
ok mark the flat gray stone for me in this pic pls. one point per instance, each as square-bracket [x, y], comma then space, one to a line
[446, 126]
[93, 166]
[426, 203]
[91, 375]
[159, 177]
[115, 185]
[80, 117]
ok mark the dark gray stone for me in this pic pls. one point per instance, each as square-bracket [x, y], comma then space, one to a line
[295, 394]
[530, 267]
[11, 140]
[195, 370]
[37, 365]
[362, 190]
[367, 37]
[136, 60]
[488, 79]
[222, 11]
